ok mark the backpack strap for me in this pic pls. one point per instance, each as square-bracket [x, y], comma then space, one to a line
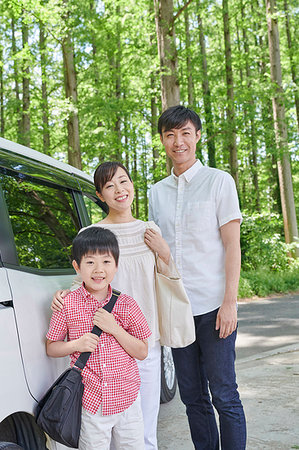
[83, 358]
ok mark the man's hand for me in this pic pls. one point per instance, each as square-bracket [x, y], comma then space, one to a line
[58, 299]
[106, 321]
[226, 321]
[155, 242]
[87, 343]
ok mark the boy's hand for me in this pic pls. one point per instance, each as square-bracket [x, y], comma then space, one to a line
[155, 242]
[57, 302]
[87, 343]
[106, 321]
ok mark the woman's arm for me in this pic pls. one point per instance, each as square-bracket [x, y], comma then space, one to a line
[58, 298]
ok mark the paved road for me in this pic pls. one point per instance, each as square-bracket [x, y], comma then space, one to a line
[266, 324]
[268, 378]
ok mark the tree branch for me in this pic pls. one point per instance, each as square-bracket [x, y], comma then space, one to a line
[180, 11]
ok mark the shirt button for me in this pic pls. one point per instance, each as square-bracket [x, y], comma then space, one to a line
[105, 384]
[104, 365]
[102, 345]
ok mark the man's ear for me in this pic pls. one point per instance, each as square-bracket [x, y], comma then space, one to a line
[75, 266]
[100, 197]
[161, 138]
[198, 135]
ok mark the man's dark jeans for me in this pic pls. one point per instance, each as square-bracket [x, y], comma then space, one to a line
[209, 365]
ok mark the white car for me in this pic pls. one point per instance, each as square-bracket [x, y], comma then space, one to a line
[43, 204]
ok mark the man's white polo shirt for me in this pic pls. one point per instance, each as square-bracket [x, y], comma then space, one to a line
[190, 209]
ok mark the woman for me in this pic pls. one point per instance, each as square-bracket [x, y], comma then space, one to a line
[138, 242]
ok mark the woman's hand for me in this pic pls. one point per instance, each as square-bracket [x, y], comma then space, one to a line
[155, 242]
[58, 299]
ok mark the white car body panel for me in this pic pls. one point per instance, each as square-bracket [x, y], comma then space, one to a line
[32, 295]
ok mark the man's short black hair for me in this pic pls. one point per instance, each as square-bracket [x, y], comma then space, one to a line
[95, 240]
[176, 117]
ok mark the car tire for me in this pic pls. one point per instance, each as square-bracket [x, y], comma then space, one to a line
[21, 430]
[9, 446]
[168, 376]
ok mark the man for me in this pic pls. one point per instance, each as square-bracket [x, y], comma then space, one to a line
[197, 209]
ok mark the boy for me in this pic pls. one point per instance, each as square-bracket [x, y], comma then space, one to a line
[111, 403]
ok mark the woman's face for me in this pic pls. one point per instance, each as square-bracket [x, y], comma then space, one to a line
[118, 193]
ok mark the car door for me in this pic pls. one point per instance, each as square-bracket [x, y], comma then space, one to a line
[42, 222]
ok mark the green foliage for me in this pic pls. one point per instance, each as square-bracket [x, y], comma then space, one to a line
[266, 263]
[263, 282]
[119, 99]
[262, 244]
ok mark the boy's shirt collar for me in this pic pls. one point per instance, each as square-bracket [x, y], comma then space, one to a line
[88, 296]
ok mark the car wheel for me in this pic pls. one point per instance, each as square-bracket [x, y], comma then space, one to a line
[168, 376]
[9, 446]
[21, 431]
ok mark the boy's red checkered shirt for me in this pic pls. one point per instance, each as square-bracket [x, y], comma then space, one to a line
[110, 377]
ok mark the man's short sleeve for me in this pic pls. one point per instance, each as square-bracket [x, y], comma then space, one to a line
[227, 202]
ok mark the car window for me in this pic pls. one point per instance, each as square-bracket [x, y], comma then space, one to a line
[94, 211]
[43, 219]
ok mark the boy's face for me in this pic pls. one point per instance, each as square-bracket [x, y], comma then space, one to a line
[180, 146]
[97, 271]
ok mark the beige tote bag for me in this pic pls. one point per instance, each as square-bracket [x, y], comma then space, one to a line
[176, 324]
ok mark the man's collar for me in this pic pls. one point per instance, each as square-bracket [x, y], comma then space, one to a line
[189, 173]
[88, 296]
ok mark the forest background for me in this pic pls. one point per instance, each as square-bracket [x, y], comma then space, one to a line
[85, 81]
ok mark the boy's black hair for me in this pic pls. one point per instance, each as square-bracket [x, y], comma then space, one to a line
[176, 117]
[95, 240]
[105, 172]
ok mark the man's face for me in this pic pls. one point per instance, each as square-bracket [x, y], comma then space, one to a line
[180, 146]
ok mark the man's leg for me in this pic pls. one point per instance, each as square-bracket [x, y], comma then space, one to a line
[219, 362]
[194, 394]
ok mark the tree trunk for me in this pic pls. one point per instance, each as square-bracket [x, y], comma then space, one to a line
[170, 89]
[70, 82]
[188, 61]
[154, 127]
[291, 56]
[45, 104]
[206, 95]
[1, 93]
[230, 111]
[26, 88]
[117, 72]
[154, 107]
[135, 175]
[254, 165]
[16, 80]
[284, 165]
